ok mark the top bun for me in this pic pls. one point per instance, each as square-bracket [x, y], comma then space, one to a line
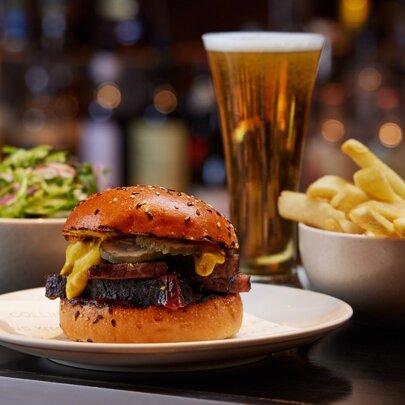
[154, 211]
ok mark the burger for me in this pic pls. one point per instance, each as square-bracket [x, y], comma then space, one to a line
[148, 264]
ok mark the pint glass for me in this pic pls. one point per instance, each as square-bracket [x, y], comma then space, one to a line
[263, 84]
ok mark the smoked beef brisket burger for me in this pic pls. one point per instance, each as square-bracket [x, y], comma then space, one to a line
[147, 264]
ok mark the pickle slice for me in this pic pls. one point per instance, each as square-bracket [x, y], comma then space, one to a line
[126, 250]
[168, 246]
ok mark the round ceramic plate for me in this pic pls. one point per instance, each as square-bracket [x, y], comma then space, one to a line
[276, 318]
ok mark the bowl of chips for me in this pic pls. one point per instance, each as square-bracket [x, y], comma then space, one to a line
[365, 271]
[352, 237]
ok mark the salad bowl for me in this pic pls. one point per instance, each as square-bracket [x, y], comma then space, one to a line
[38, 189]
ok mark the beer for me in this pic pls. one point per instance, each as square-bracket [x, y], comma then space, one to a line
[263, 84]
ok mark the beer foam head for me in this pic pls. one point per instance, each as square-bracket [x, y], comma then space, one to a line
[262, 42]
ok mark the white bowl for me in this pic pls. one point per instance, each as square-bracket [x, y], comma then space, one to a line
[29, 250]
[366, 272]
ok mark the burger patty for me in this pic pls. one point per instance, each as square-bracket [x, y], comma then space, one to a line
[171, 283]
[169, 291]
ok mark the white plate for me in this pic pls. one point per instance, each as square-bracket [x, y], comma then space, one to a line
[276, 318]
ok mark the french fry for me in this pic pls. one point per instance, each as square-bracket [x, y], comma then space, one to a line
[372, 221]
[374, 205]
[301, 208]
[399, 226]
[326, 187]
[387, 210]
[373, 181]
[348, 198]
[362, 156]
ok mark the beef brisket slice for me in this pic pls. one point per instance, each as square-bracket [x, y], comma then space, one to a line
[169, 291]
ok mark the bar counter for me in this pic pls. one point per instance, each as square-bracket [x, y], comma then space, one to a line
[353, 364]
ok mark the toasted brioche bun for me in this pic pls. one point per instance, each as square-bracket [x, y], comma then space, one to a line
[153, 211]
[215, 318]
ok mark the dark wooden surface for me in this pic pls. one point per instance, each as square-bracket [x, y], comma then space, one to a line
[351, 365]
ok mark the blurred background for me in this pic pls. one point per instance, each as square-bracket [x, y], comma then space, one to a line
[125, 84]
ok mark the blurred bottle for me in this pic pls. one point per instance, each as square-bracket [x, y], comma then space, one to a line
[101, 144]
[157, 153]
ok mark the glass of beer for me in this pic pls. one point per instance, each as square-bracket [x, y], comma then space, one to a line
[263, 84]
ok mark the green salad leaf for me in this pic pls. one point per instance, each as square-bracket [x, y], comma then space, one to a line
[42, 182]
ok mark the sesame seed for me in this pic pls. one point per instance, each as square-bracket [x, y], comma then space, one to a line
[132, 196]
[114, 199]
[96, 211]
[135, 192]
[218, 225]
[187, 220]
[176, 206]
[149, 214]
[190, 203]
[157, 193]
[198, 212]
[209, 210]
[139, 205]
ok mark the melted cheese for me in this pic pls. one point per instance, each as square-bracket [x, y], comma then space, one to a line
[207, 260]
[79, 257]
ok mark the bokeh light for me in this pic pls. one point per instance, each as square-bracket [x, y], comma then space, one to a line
[165, 99]
[369, 79]
[108, 95]
[332, 130]
[390, 134]
[354, 13]
[128, 32]
[105, 67]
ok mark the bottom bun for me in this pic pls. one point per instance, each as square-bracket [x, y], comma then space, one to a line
[217, 318]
